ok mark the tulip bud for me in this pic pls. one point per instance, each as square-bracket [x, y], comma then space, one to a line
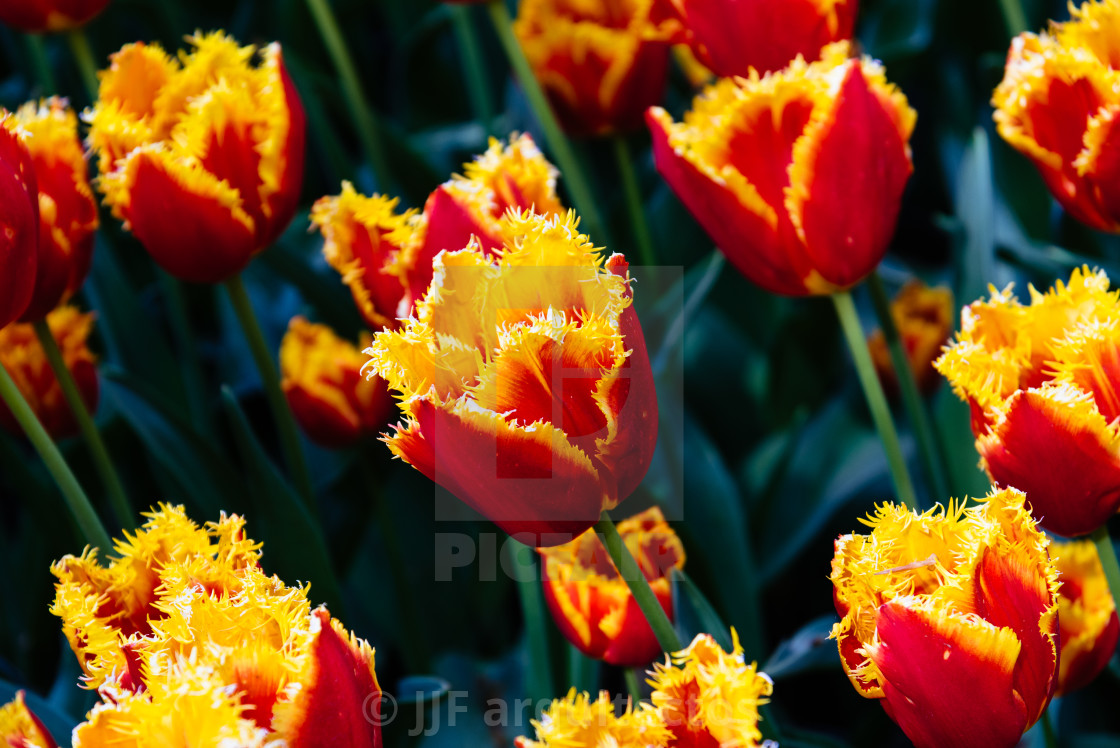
[322, 380]
[1057, 105]
[67, 209]
[923, 317]
[211, 138]
[797, 176]
[1087, 624]
[949, 619]
[26, 362]
[591, 603]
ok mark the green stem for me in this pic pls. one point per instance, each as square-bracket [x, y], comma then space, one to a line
[369, 131]
[583, 672]
[536, 631]
[270, 379]
[1107, 552]
[911, 397]
[83, 55]
[193, 381]
[37, 51]
[633, 686]
[76, 499]
[578, 186]
[475, 72]
[876, 400]
[639, 586]
[633, 195]
[1014, 16]
[1048, 733]
[112, 482]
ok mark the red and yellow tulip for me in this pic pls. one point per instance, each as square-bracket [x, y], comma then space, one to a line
[1039, 380]
[321, 376]
[189, 641]
[19, 213]
[1087, 624]
[20, 728]
[26, 362]
[736, 37]
[524, 380]
[709, 697]
[797, 176]
[923, 317]
[591, 603]
[385, 257]
[201, 156]
[1058, 104]
[67, 208]
[578, 721]
[601, 64]
[38, 16]
[949, 618]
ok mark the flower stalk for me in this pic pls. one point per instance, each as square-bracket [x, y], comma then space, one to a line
[639, 586]
[876, 400]
[908, 386]
[83, 55]
[580, 189]
[270, 379]
[633, 195]
[76, 499]
[1107, 552]
[474, 68]
[118, 499]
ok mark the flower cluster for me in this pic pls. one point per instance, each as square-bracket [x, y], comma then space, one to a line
[949, 618]
[702, 696]
[190, 643]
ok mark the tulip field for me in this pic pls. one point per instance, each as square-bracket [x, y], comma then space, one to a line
[559, 374]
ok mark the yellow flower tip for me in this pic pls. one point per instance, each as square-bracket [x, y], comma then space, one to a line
[20, 728]
[576, 720]
[711, 695]
[505, 177]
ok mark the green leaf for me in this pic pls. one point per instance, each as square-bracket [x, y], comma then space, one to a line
[808, 649]
[293, 540]
[208, 484]
[693, 614]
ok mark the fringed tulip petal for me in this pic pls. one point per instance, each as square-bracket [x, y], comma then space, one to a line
[578, 721]
[20, 728]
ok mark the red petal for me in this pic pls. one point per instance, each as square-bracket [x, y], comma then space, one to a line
[1065, 464]
[320, 420]
[339, 695]
[1080, 671]
[194, 237]
[519, 478]
[1009, 593]
[19, 219]
[948, 679]
[284, 202]
[753, 247]
[856, 170]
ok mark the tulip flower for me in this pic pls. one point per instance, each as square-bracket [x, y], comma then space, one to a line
[19, 213]
[1038, 379]
[592, 604]
[184, 624]
[322, 379]
[386, 258]
[20, 728]
[524, 381]
[924, 318]
[38, 16]
[949, 618]
[67, 208]
[1057, 104]
[1087, 624]
[739, 37]
[578, 721]
[23, 357]
[710, 697]
[601, 64]
[201, 157]
[796, 176]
